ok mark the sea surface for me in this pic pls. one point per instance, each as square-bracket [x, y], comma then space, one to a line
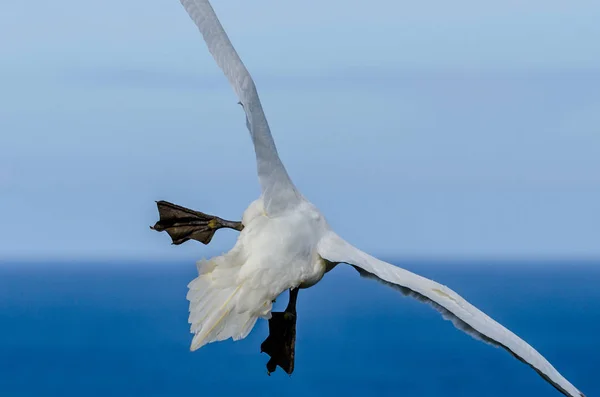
[120, 329]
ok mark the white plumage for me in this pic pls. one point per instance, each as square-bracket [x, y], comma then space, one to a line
[287, 243]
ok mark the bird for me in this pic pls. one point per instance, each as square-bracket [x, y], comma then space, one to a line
[286, 244]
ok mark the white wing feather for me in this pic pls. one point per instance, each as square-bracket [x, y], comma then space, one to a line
[452, 306]
[278, 190]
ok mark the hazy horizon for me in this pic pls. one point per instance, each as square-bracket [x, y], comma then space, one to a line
[421, 130]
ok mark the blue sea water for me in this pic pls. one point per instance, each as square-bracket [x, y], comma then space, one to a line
[120, 329]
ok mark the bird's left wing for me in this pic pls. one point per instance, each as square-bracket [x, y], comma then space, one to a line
[278, 190]
[452, 306]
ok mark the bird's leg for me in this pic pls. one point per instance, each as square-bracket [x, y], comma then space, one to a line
[281, 342]
[183, 224]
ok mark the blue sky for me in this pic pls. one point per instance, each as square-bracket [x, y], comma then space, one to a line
[429, 130]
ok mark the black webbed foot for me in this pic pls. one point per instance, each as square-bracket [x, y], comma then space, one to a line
[281, 342]
[183, 224]
[280, 345]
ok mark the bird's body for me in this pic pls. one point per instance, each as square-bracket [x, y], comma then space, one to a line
[286, 243]
[271, 255]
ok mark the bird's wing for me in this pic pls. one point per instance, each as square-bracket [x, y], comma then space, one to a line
[453, 307]
[278, 190]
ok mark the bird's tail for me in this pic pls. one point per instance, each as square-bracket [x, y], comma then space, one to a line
[219, 302]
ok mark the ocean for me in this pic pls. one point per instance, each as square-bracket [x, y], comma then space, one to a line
[120, 329]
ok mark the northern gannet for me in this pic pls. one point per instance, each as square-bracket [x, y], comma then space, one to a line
[285, 243]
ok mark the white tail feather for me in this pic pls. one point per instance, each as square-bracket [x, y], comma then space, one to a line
[215, 297]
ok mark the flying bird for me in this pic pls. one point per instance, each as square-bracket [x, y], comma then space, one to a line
[285, 243]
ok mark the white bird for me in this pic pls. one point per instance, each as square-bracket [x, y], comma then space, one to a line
[285, 242]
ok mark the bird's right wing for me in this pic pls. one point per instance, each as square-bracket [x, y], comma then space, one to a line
[278, 190]
[465, 316]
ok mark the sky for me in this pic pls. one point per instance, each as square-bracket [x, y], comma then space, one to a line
[421, 129]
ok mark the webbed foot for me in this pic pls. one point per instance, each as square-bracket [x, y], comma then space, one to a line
[183, 224]
[281, 342]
